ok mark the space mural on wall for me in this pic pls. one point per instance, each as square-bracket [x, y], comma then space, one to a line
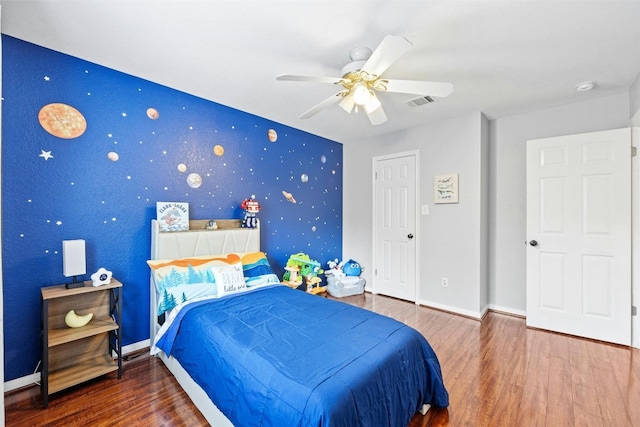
[88, 151]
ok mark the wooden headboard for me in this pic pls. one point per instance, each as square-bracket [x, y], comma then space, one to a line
[229, 237]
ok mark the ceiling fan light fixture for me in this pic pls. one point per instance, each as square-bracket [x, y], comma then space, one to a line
[362, 79]
[372, 105]
[361, 93]
[347, 104]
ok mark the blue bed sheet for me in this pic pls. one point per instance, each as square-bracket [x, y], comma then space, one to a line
[279, 357]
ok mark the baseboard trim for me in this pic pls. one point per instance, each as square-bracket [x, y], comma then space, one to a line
[477, 315]
[34, 379]
[508, 311]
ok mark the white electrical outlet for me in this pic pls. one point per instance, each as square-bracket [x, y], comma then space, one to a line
[445, 282]
[425, 209]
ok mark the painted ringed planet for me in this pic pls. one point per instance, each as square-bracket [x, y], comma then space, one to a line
[152, 113]
[288, 196]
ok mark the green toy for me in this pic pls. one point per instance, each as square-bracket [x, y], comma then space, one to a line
[307, 268]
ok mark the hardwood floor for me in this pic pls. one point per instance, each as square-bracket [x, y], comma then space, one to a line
[498, 373]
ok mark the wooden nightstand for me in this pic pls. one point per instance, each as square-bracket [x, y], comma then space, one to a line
[71, 356]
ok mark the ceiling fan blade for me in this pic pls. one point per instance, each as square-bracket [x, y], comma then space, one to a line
[315, 79]
[321, 106]
[438, 89]
[377, 116]
[388, 51]
[347, 103]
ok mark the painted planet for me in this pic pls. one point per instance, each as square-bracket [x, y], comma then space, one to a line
[272, 135]
[304, 178]
[182, 167]
[323, 159]
[113, 156]
[194, 180]
[288, 196]
[313, 228]
[218, 150]
[152, 113]
[62, 120]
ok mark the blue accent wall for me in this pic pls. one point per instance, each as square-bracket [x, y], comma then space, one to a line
[103, 185]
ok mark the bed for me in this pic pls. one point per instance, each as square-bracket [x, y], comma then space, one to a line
[258, 353]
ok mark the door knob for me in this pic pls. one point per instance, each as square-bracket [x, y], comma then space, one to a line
[410, 236]
[533, 243]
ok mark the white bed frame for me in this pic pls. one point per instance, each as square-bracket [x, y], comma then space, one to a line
[229, 237]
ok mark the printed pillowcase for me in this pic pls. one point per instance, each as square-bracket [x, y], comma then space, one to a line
[186, 279]
[257, 271]
[229, 279]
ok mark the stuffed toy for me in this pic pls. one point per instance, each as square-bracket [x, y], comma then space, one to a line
[335, 268]
[352, 268]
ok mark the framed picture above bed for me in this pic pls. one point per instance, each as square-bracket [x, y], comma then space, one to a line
[172, 216]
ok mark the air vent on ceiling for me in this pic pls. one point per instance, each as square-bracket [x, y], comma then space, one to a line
[423, 100]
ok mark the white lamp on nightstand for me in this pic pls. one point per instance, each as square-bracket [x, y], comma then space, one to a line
[74, 262]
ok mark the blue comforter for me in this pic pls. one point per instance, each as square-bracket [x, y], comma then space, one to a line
[279, 357]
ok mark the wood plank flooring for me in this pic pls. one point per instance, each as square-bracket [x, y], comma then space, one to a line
[498, 373]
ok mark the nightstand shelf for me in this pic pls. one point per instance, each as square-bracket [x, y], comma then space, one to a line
[71, 356]
[96, 326]
[80, 372]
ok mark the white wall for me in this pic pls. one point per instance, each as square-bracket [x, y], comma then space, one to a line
[477, 244]
[485, 198]
[634, 102]
[452, 237]
[507, 218]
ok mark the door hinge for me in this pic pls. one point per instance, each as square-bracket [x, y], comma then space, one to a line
[634, 151]
[634, 310]
[376, 272]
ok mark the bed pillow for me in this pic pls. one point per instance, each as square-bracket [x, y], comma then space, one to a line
[186, 279]
[229, 279]
[257, 270]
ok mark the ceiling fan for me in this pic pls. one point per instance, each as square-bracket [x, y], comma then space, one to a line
[361, 79]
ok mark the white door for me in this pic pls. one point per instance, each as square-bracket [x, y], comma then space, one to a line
[395, 223]
[579, 235]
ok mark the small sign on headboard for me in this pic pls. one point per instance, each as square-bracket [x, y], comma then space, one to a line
[173, 216]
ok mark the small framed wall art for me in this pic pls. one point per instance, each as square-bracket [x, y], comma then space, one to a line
[445, 188]
[173, 216]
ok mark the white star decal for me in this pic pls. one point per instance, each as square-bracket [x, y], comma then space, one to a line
[46, 78]
[45, 155]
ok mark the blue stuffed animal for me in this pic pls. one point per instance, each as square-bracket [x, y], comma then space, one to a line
[352, 268]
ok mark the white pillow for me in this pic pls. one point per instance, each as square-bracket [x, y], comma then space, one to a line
[229, 279]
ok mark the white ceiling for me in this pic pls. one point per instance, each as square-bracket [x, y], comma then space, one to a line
[503, 57]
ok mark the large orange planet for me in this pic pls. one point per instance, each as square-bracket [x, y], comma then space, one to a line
[272, 135]
[218, 150]
[62, 120]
